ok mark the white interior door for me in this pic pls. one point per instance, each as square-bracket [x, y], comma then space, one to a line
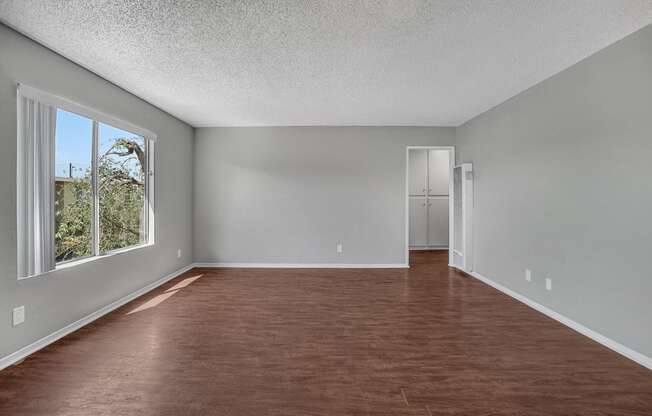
[418, 222]
[418, 171]
[438, 222]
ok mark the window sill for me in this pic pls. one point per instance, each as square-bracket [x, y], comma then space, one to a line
[72, 263]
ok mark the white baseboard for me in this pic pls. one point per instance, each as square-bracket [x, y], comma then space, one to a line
[22, 353]
[635, 356]
[304, 265]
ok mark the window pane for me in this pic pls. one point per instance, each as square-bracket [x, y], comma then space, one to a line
[122, 164]
[73, 190]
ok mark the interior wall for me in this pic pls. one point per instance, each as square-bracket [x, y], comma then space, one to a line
[62, 297]
[563, 187]
[291, 194]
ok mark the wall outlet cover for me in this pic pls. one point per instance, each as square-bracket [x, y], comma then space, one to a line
[548, 283]
[528, 275]
[179, 253]
[339, 247]
[19, 315]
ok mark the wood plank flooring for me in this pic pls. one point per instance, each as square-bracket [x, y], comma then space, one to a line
[424, 341]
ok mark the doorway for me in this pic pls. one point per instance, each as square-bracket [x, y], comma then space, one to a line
[429, 199]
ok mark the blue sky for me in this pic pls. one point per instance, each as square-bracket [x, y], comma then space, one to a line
[74, 142]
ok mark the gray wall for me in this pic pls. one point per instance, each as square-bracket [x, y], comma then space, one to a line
[288, 195]
[563, 187]
[62, 297]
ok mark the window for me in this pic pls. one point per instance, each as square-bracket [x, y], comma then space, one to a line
[73, 203]
[121, 189]
[85, 183]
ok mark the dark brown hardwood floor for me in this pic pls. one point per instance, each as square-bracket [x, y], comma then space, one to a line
[424, 341]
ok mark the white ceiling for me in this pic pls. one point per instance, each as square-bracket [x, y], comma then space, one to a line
[330, 62]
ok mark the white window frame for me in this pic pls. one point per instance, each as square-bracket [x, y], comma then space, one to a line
[98, 117]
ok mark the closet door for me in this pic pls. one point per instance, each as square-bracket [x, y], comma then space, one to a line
[438, 222]
[438, 172]
[418, 172]
[418, 222]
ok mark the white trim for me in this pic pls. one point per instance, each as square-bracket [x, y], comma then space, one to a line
[467, 189]
[22, 353]
[63, 265]
[451, 198]
[635, 356]
[83, 110]
[305, 265]
[150, 194]
[95, 185]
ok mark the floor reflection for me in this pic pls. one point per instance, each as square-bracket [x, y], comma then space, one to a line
[157, 300]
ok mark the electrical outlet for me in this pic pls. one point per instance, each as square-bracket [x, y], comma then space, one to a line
[548, 283]
[19, 315]
[179, 253]
[339, 247]
[528, 275]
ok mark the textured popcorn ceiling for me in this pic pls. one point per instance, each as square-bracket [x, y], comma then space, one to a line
[333, 62]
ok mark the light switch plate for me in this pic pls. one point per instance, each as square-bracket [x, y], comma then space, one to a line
[19, 315]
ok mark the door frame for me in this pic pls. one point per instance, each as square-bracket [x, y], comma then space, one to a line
[451, 198]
